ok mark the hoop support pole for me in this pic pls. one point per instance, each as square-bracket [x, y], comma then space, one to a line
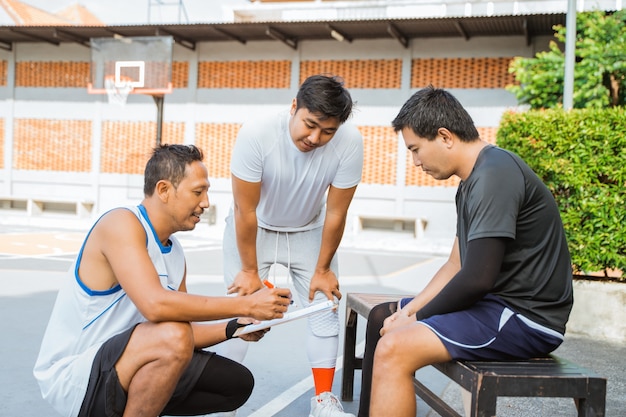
[158, 100]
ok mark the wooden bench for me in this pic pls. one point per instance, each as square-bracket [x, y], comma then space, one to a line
[485, 381]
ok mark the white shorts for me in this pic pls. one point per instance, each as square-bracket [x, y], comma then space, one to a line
[296, 251]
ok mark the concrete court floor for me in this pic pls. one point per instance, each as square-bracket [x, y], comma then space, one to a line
[33, 258]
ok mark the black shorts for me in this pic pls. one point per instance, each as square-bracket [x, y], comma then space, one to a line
[105, 397]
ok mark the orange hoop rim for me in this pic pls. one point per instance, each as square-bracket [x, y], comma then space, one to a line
[148, 91]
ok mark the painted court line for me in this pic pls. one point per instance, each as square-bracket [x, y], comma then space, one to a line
[296, 391]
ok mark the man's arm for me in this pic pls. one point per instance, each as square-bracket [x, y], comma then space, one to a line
[452, 291]
[406, 316]
[337, 203]
[246, 199]
[441, 278]
[115, 252]
[210, 334]
[476, 278]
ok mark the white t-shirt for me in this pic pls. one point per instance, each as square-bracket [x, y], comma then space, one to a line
[83, 319]
[294, 183]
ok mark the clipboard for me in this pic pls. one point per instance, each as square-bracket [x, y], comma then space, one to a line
[293, 315]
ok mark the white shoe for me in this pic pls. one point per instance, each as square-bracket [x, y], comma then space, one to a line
[222, 414]
[327, 405]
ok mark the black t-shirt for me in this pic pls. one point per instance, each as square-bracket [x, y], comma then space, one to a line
[504, 198]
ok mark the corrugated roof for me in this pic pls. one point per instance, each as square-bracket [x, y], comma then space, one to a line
[291, 33]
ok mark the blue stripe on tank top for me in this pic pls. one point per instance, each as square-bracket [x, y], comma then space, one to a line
[104, 311]
[144, 214]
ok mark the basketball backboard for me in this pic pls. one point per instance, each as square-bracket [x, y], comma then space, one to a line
[131, 65]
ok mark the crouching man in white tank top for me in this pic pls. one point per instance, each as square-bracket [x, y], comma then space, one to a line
[122, 339]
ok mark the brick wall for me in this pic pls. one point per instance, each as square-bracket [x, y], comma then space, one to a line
[380, 154]
[461, 72]
[3, 73]
[244, 74]
[126, 146]
[71, 74]
[51, 74]
[358, 73]
[217, 140]
[52, 145]
[65, 145]
[180, 74]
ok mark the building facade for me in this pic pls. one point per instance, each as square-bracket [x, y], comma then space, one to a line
[61, 143]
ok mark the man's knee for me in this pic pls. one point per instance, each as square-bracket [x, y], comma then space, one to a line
[393, 354]
[176, 339]
[387, 349]
[325, 324]
[246, 381]
[410, 349]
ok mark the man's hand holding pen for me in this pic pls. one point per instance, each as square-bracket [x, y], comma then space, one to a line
[269, 303]
[270, 286]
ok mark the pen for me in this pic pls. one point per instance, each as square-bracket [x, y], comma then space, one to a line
[270, 285]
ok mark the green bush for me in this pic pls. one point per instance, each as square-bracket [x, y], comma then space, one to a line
[599, 73]
[580, 155]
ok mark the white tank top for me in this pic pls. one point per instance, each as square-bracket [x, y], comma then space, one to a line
[83, 319]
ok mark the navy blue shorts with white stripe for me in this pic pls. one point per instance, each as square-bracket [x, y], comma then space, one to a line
[491, 330]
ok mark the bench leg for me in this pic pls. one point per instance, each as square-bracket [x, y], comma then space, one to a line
[433, 400]
[595, 404]
[349, 355]
[589, 408]
[484, 397]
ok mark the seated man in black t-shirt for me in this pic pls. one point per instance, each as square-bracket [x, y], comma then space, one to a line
[506, 289]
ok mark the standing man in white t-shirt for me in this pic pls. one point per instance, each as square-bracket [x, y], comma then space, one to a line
[293, 177]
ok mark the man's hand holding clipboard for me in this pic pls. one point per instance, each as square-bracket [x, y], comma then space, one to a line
[290, 316]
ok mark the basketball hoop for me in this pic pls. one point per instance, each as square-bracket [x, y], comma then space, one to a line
[118, 92]
[132, 65]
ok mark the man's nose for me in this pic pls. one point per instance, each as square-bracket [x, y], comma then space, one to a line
[314, 136]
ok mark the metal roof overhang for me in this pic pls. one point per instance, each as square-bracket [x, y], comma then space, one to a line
[291, 33]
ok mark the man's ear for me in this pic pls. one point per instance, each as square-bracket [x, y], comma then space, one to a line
[162, 189]
[447, 136]
[294, 106]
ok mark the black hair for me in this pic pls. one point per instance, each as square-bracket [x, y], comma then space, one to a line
[325, 96]
[432, 108]
[168, 162]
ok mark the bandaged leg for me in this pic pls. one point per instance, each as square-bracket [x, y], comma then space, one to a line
[322, 354]
[322, 345]
[323, 329]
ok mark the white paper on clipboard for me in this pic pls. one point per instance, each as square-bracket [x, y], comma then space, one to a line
[293, 315]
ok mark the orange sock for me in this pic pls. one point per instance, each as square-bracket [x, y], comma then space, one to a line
[323, 379]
